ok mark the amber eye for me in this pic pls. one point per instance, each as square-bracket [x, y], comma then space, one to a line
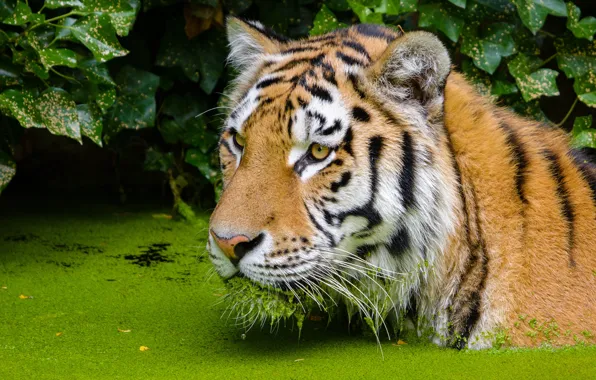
[319, 152]
[239, 141]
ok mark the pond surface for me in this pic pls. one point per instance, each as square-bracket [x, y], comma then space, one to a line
[83, 288]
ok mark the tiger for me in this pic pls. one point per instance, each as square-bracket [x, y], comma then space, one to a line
[366, 141]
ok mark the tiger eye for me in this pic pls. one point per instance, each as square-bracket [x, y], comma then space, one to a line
[319, 152]
[239, 140]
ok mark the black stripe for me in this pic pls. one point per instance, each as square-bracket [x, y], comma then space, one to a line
[519, 159]
[358, 47]
[329, 74]
[290, 123]
[349, 60]
[300, 49]
[319, 92]
[269, 82]
[293, 63]
[399, 242]
[465, 308]
[407, 175]
[331, 130]
[352, 78]
[315, 115]
[319, 227]
[470, 303]
[376, 31]
[360, 114]
[343, 181]
[365, 250]
[347, 143]
[563, 195]
[368, 211]
[225, 144]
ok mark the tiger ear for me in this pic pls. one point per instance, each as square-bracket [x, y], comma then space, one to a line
[413, 67]
[249, 41]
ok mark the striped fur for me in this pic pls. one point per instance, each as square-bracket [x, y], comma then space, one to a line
[491, 215]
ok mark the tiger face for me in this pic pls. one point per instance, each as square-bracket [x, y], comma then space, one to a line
[330, 155]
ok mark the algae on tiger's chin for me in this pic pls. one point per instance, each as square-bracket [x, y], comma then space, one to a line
[252, 304]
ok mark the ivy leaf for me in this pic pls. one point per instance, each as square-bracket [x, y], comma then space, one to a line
[7, 8]
[158, 161]
[442, 18]
[531, 81]
[106, 96]
[365, 14]
[581, 134]
[337, 5]
[584, 28]
[577, 59]
[64, 33]
[90, 119]
[54, 4]
[59, 113]
[8, 169]
[554, 7]
[98, 35]
[96, 72]
[529, 109]
[188, 126]
[202, 162]
[39, 38]
[325, 21]
[58, 57]
[22, 106]
[396, 7]
[200, 58]
[175, 50]
[10, 74]
[124, 20]
[585, 88]
[22, 15]
[135, 105]
[533, 12]
[503, 87]
[28, 58]
[213, 53]
[459, 3]
[487, 52]
[479, 79]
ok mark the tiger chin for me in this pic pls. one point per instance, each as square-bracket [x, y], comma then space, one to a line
[363, 147]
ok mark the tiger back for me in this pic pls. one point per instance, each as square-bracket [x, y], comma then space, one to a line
[363, 147]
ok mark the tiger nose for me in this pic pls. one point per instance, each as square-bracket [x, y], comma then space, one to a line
[229, 245]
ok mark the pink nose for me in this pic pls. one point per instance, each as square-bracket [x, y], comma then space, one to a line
[228, 245]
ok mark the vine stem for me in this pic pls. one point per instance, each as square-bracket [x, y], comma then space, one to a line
[64, 76]
[71, 13]
[548, 34]
[568, 113]
[549, 59]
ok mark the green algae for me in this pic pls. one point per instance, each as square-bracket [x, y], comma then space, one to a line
[72, 262]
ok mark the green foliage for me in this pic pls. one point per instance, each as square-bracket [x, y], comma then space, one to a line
[78, 68]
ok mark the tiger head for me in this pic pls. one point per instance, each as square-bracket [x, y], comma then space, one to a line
[332, 154]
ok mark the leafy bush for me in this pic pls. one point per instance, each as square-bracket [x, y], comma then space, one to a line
[78, 68]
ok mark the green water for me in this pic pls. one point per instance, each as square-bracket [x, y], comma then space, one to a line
[93, 270]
